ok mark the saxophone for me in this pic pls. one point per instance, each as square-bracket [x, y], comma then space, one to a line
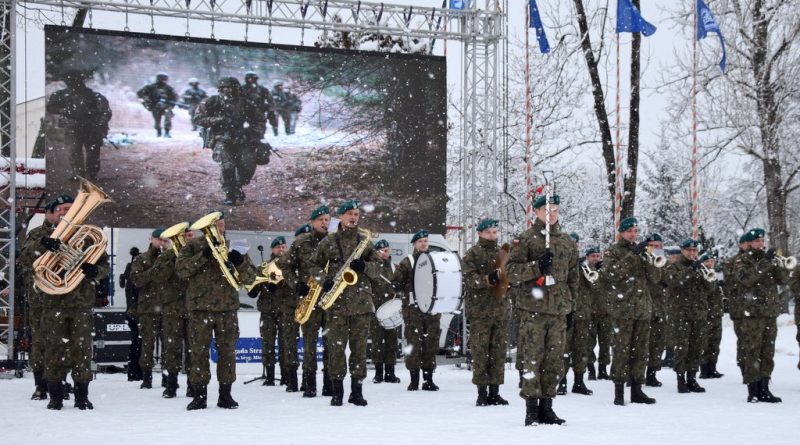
[306, 306]
[346, 276]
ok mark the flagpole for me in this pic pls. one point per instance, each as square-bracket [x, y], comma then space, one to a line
[528, 118]
[617, 161]
[695, 191]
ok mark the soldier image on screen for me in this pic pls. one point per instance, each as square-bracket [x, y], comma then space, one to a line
[159, 98]
[261, 97]
[84, 116]
[235, 127]
[191, 97]
[287, 106]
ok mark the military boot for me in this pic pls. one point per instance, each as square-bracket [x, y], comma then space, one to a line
[669, 358]
[189, 390]
[682, 387]
[637, 396]
[619, 394]
[562, 386]
[158, 132]
[56, 390]
[327, 390]
[483, 396]
[40, 393]
[283, 373]
[337, 392]
[414, 385]
[704, 371]
[752, 392]
[494, 396]
[147, 379]
[269, 377]
[166, 134]
[691, 382]
[378, 373]
[291, 380]
[546, 413]
[579, 387]
[591, 371]
[428, 385]
[764, 394]
[389, 376]
[311, 384]
[356, 395]
[67, 388]
[225, 399]
[304, 382]
[172, 386]
[601, 373]
[200, 397]
[650, 378]
[82, 396]
[531, 412]
[712, 371]
[521, 378]
[163, 380]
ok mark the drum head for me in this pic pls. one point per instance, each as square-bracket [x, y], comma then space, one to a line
[390, 314]
[424, 281]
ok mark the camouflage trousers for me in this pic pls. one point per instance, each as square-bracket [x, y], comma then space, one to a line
[166, 114]
[422, 333]
[713, 337]
[270, 334]
[758, 350]
[84, 153]
[176, 342]
[68, 343]
[36, 357]
[488, 343]
[149, 332]
[516, 314]
[689, 339]
[737, 330]
[384, 344]
[344, 330]
[578, 351]
[289, 334]
[656, 343]
[600, 334]
[630, 340]
[542, 340]
[224, 326]
[311, 328]
[237, 164]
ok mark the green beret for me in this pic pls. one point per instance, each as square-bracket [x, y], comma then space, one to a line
[689, 244]
[627, 223]
[745, 238]
[704, 257]
[591, 250]
[319, 211]
[61, 199]
[381, 244]
[419, 235]
[540, 201]
[305, 228]
[756, 233]
[654, 237]
[278, 241]
[350, 204]
[575, 237]
[157, 232]
[486, 224]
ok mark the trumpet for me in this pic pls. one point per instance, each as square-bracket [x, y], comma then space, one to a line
[591, 275]
[269, 272]
[710, 275]
[658, 261]
[177, 235]
[786, 262]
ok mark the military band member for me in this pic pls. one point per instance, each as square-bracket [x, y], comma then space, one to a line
[794, 285]
[544, 306]
[421, 330]
[658, 294]
[713, 328]
[296, 275]
[213, 304]
[349, 317]
[384, 341]
[600, 326]
[149, 282]
[488, 316]
[736, 296]
[629, 275]
[758, 276]
[289, 330]
[578, 348]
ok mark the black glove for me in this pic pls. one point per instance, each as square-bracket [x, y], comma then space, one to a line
[235, 257]
[397, 286]
[327, 285]
[301, 289]
[494, 277]
[545, 263]
[272, 288]
[640, 248]
[207, 252]
[90, 270]
[770, 255]
[570, 320]
[358, 265]
[598, 266]
[253, 293]
[696, 264]
[50, 244]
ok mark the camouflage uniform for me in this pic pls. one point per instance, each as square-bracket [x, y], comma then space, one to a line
[579, 347]
[488, 317]
[658, 295]
[159, 99]
[287, 106]
[688, 289]
[85, 115]
[384, 341]
[235, 129]
[213, 304]
[174, 316]
[192, 96]
[288, 329]
[269, 304]
[630, 308]
[794, 285]
[543, 310]
[713, 328]
[150, 285]
[600, 327]
[735, 304]
[262, 99]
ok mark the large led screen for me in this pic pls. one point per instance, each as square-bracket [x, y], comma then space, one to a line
[124, 111]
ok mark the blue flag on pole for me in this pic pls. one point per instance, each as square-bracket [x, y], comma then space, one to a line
[706, 24]
[629, 19]
[534, 21]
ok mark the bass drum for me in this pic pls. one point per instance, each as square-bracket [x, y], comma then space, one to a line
[437, 282]
[390, 314]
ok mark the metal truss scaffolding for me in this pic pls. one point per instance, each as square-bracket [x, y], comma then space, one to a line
[479, 29]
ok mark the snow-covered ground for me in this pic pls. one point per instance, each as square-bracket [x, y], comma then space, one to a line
[124, 414]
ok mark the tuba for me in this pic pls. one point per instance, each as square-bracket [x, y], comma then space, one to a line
[219, 248]
[59, 273]
[346, 276]
[306, 306]
[269, 273]
[177, 235]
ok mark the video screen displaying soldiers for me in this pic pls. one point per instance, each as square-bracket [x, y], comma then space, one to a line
[264, 132]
